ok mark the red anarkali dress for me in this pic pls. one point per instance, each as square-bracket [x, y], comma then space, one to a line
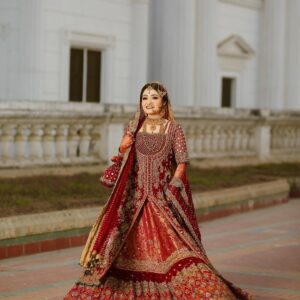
[152, 250]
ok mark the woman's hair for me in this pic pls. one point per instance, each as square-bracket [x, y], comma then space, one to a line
[161, 90]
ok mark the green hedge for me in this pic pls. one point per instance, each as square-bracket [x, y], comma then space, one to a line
[45, 193]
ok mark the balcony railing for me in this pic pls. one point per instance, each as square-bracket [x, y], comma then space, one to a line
[43, 133]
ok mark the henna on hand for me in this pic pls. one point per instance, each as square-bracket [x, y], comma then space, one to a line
[180, 170]
[126, 142]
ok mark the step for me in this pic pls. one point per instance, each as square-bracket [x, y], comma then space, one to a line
[28, 234]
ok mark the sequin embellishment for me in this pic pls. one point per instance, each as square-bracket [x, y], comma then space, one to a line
[150, 143]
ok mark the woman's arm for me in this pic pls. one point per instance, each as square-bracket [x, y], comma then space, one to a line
[180, 170]
[181, 156]
[110, 175]
[126, 142]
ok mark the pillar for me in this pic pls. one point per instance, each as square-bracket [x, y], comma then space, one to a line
[206, 73]
[292, 78]
[272, 57]
[139, 50]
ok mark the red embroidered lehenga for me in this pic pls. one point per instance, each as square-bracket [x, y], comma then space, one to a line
[146, 243]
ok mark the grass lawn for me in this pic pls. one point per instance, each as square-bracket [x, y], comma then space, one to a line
[45, 193]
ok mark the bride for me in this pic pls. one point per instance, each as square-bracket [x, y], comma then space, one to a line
[146, 243]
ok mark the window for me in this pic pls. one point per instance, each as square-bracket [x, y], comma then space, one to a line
[85, 75]
[228, 91]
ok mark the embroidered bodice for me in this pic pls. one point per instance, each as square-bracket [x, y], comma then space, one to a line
[150, 143]
[155, 155]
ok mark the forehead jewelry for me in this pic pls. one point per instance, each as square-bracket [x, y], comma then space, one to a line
[160, 92]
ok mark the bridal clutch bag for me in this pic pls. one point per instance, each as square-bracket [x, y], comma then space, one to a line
[110, 175]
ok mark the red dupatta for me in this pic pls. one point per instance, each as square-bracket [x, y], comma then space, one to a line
[99, 236]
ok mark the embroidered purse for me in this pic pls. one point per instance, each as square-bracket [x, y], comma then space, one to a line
[110, 175]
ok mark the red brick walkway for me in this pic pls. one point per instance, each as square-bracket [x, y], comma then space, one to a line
[259, 251]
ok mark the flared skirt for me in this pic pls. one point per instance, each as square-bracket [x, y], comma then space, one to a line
[153, 263]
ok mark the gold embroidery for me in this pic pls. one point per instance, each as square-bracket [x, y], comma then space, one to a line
[145, 190]
[182, 214]
[154, 266]
[193, 282]
[179, 146]
[149, 143]
[154, 168]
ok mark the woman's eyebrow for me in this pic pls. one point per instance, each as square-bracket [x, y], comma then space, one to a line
[150, 95]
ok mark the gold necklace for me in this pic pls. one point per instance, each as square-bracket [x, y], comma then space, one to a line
[153, 123]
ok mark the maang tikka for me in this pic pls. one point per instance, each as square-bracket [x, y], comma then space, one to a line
[160, 92]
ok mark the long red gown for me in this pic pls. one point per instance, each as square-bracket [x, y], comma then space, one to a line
[159, 254]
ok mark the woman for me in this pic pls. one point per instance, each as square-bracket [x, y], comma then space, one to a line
[146, 243]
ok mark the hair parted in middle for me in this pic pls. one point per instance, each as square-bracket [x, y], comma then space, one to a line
[162, 91]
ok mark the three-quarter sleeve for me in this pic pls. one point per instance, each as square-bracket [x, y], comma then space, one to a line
[128, 128]
[179, 146]
[125, 129]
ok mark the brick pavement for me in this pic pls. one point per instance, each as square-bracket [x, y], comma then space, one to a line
[257, 250]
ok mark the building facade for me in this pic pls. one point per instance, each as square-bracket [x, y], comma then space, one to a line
[71, 72]
[209, 53]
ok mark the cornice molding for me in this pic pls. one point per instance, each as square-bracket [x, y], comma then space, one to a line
[235, 46]
[233, 53]
[140, 2]
[89, 39]
[253, 4]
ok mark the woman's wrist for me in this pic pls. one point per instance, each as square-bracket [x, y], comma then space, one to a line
[176, 181]
[127, 141]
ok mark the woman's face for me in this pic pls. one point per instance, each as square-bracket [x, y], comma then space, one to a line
[151, 102]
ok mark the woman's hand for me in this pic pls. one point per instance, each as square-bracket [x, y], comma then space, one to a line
[176, 182]
[180, 170]
[126, 142]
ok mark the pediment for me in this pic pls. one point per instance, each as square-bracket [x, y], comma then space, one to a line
[235, 46]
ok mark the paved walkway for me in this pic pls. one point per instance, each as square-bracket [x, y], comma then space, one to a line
[259, 251]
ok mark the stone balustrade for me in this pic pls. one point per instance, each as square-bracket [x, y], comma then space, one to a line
[34, 133]
[217, 139]
[285, 137]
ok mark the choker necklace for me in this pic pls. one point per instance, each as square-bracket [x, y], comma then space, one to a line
[153, 123]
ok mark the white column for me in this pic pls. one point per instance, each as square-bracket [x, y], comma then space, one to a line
[30, 49]
[48, 142]
[61, 141]
[292, 78]
[206, 73]
[272, 57]
[73, 140]
[7, 141]
[97, 141]
[35, 142]
[20, 141]
[5, 41]
[172, 48]
[85, 139]
[263, 141]
[139, 47]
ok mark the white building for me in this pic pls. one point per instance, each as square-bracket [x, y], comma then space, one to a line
[209, 53]
[238, 54]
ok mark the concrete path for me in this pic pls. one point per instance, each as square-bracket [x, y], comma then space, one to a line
[258, 251]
